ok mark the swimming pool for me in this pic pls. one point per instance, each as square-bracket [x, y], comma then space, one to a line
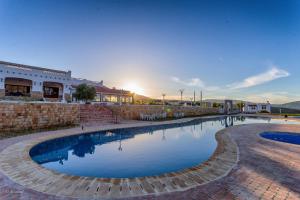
[136, 152]
[287, 137]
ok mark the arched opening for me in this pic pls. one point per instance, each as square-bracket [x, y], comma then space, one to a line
[52, 90]
[17, 87]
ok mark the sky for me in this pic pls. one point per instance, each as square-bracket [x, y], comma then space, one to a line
[243, 49]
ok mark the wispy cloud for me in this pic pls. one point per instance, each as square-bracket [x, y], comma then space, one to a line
[270, 75]
[273, 97]
[194, 82]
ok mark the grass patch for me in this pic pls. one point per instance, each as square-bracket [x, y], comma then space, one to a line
[288, 114]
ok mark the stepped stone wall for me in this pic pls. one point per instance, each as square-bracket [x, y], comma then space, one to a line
[16, 116]
[21, 116]
[95, 113]
[133, 111]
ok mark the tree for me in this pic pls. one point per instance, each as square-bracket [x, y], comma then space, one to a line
[216, 105]
[241, 105]
[85, 92]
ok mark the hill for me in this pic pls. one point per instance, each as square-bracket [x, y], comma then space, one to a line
[138, 97]
[290, 105]
[276, 110]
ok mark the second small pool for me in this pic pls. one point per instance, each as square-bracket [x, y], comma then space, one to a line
[293, 138]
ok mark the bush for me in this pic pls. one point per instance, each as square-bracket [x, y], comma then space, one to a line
[264, 111]
[85, 92]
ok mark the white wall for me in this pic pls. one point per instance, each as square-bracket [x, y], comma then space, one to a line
[259, 107]
[38, 76]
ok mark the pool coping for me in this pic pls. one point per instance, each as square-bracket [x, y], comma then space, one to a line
[16, 163]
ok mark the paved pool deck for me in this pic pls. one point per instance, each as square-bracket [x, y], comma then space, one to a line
[265, 170]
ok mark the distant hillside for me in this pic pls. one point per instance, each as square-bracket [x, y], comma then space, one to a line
[221, 101]
[138, 97]
[276, 110]
[291, 105]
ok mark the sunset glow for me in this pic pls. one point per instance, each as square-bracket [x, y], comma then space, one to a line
[134, 87]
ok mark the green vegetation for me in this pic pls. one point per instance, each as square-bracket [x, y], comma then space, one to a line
[288, 114]
[216, 105]
[240, 105]
[264, 111]
[85, 92]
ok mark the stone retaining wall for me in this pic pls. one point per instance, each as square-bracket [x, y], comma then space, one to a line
[15, 117]
[133, 111]
[95, 113]
[22, 116]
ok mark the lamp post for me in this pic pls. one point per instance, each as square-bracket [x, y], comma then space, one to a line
[181, 93]
[163, 99]
[120, 98]
[201, 98]
[194, 97]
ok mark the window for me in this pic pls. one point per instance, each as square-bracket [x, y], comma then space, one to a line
[51, 92]
[17, 90]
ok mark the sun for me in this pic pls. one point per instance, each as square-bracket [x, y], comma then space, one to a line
[134, 87]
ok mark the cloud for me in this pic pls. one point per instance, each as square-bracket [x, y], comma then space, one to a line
[270, 75]
[194, 82]
[191, 82]
[273, 97]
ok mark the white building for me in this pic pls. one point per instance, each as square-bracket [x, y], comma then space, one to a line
[18, 80]
[257, 107]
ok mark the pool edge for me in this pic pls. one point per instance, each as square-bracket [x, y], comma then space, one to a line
[31, 175]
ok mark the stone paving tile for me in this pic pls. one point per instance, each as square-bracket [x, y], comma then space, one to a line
[266, 170]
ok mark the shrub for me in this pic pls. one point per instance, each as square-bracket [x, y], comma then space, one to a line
[264, 111]
[85, 92]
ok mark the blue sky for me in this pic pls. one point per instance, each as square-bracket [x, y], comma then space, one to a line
[229, 49]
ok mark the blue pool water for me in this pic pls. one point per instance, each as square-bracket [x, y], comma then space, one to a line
[136, 152]
[293, 138]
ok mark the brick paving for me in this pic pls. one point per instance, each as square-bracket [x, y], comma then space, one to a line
[266, 170]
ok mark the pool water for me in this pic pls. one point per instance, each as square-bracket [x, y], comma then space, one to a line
[292, 138]
[136, 152]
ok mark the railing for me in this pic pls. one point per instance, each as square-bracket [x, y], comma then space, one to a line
[152, 117]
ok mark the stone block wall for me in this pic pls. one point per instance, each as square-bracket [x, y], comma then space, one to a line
[21, 116]
[95, 114]
[32, 116]
[133, 111]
